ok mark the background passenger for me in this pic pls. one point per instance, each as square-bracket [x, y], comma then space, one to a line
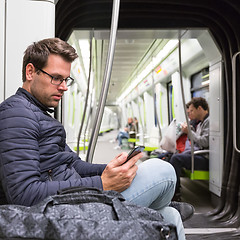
[130, 127]
[181, 138]
[198, 110]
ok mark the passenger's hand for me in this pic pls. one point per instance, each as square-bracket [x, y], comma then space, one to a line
[184, 128]
[118, 175]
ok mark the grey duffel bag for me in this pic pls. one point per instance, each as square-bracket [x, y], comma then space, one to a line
[84, 213]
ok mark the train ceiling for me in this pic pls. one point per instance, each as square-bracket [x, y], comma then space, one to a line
[221, 17]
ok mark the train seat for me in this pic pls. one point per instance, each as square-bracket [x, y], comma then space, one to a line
[83, 146]
[133, 138]
[197, 174]
[151, 141]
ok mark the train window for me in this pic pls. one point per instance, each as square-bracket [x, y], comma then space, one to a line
[200, 83]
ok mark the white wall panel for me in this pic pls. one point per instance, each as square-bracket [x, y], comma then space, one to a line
[149, 110]
[178, 103]
[216, 128]
[27, 21]
[2, 48]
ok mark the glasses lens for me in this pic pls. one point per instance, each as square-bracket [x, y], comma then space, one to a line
[69, 81]
[56, 81]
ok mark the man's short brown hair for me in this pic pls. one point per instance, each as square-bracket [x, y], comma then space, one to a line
[199, 101]
[38, 53]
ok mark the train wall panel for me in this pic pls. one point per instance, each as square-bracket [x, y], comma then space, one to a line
[178, 102]
[141, 118]
[26, 21]
[215, 163]
[135, 109]
[2, 48]
[162, 105]
[215, 98]
[216, 128]
[210, 47]
[149, 111]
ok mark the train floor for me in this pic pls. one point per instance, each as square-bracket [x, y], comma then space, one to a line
[201, 225]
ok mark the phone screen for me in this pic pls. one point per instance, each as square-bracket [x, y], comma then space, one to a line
[135, 151]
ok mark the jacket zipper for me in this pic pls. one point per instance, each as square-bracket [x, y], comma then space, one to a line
[50, 174]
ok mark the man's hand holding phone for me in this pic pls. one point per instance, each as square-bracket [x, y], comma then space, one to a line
[120, 172]
[134, 152]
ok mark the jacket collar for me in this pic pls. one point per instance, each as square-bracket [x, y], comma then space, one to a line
[32, 99]
[206, 116]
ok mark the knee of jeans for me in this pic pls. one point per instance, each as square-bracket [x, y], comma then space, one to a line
[162, 168]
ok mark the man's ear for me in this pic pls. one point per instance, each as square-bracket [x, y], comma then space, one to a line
[30, 70]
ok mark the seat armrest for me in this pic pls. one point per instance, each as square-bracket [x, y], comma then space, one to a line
[200, 152]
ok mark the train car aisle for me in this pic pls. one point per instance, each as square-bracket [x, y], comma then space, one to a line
[105, 149]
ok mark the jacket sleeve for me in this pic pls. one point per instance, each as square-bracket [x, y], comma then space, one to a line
[201, 136]
[20, 167]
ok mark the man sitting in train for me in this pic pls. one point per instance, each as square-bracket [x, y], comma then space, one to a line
[36, 162]
[198, 110]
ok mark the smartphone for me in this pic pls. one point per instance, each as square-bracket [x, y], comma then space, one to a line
[135, 151]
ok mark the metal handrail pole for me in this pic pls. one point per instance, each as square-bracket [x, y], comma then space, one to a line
[234, 101]
[184, 104]
[106, 81]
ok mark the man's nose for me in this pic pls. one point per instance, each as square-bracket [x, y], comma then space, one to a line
[63, 86]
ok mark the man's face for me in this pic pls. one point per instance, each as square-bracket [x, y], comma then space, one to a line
[41, 86]
[193, 113]
[130, 120]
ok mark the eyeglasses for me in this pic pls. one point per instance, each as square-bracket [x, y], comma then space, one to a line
[58, 81]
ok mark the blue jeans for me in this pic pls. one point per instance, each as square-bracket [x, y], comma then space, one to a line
[154, 187]
[120, 136]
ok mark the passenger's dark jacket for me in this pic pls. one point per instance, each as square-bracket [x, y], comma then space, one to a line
[35, 161]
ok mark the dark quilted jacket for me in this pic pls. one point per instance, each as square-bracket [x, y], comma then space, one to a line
[35, 161]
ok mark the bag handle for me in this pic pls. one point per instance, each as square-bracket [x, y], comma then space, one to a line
[77, 190]
[79, 195]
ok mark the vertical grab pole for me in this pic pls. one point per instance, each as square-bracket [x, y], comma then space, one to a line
[106, 81]
[234, 101]
[184, 103]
